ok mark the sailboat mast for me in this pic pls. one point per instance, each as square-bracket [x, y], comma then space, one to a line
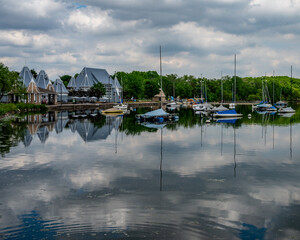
[205, 92]
[273, 89]
[161, 157]
[221, 89]
[160, 76]
[234, 78]
[292, 83]
[201, 89]
[262, 90]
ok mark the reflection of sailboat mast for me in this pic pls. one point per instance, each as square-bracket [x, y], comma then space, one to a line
[273, 133]
[221, 139]
[61, 121]
[161, 157]
[201, 130]
[262, 126]
[265, 125]
[234, 150]
[116, 148]
[291, 141]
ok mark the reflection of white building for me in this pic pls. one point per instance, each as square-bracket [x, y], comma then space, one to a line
[89, 132]
[42, 125]
[90, 76]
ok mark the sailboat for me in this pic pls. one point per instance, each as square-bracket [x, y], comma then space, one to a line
[264, 105]
[159, 114]
[280, 103]
[120, 106]
[287, 109]
[232, 112]
[203, 107]
[232, 105]
[221, 107]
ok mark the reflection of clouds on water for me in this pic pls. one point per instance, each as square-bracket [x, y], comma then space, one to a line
[277, 194]
[87, 186]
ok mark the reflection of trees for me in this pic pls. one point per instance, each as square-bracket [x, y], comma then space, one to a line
[11, 134]
[99, 121]
[277, 120]
[14, 131]
[131, 127]
[188, 119]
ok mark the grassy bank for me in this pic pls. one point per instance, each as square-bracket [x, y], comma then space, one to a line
[21, 107]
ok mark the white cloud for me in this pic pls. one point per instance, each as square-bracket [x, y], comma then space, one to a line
[18, 38]
[97, 21]
[111, 35]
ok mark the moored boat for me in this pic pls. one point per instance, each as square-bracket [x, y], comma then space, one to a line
[286, 110]
[219, 108]
[112, 110]
[229, 113]
[121, 107]
[281, 104]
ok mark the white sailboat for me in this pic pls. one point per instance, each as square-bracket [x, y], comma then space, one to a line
[287, 109]
[158, 115]
[232, 112]
[233, 104]
[221, 107]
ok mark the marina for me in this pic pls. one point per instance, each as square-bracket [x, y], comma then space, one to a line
[138, 120]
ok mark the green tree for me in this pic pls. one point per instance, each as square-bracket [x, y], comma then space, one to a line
[34, 73]
[8, 80]
[97, 90]
[134, 85]
[66, 79]
[151, 88]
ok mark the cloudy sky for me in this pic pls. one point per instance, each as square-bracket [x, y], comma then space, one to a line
[197, 36]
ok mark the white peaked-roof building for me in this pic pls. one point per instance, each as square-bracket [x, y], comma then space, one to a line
[72, 83]
[61, 90]
[42, 79]
[39, 90]
[60, 87]
[90, 76]
[25, 76]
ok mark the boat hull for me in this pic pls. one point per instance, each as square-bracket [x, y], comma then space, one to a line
[228, 115]
[112, 110]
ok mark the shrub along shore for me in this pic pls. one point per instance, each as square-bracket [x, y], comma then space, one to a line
[10, 108]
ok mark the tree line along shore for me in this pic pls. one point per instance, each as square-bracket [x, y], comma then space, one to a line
[144, 85]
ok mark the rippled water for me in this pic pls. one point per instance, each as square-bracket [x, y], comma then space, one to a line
[66, 176]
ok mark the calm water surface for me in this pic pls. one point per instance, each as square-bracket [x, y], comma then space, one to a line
[69, 176]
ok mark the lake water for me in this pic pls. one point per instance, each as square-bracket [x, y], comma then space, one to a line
[70, 176]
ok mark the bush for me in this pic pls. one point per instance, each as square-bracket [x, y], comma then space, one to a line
[23, 107]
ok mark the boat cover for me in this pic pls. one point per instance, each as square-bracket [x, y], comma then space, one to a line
[153, 125]
[227, 112]
[231, 120]
[156, 113]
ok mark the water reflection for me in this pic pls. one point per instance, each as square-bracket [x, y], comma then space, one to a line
[107, 177]
[43, 125]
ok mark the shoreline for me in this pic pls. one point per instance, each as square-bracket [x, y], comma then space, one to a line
[86, 106]
[83, 106]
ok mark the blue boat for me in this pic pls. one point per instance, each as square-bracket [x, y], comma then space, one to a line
[229, 113]
[227, 120]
